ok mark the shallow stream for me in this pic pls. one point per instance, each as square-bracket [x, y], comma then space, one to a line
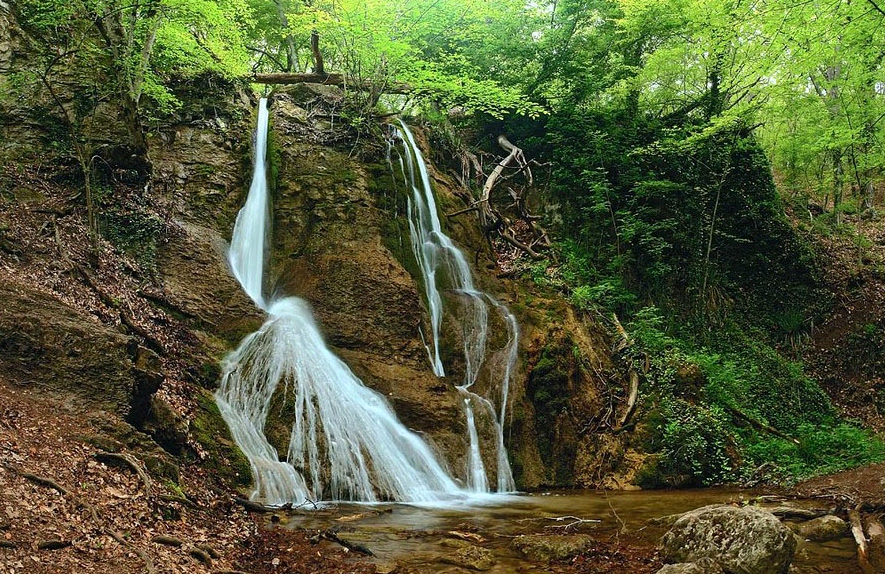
[419, 539]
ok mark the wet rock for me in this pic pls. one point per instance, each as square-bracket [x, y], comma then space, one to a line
[702, 566]
[744, 540]
[148, 374]
[198, 285]
[544, 548]
[466, 555]
[166, 426]
[382, 567]
[822, 529]
[334, 255]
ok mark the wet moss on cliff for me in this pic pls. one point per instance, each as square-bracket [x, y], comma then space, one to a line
[550, 392]
[224, 459]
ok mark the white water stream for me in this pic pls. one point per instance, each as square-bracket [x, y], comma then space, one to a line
[444, 269]
[345, 442]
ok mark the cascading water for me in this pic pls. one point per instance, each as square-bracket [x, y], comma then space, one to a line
[346, 442]
[443, 267]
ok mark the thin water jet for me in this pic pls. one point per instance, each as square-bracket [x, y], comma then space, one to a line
[443, 266]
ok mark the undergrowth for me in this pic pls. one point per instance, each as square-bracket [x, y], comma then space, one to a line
[681, 234]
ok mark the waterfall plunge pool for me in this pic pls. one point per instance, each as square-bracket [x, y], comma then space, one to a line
[423, 539]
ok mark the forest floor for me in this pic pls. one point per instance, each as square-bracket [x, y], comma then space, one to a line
[64, 508]
[846, 349]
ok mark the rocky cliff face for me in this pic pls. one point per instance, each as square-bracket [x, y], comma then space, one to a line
[139, 328]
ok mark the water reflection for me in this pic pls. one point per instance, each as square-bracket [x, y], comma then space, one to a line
[415, 536]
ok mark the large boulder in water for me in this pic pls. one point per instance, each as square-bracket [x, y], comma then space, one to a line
[743, 540]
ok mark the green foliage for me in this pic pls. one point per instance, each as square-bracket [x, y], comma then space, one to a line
[696, 437]
[139, 47]
[691, 446]
[136, 234]
[824, 449]
[683, 217]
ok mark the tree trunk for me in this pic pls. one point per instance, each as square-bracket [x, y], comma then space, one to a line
[318, 67]
[288, 40]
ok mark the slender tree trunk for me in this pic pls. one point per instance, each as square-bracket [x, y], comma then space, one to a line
[838, 183]
[318, 67]
[288, 40]
[715, 97]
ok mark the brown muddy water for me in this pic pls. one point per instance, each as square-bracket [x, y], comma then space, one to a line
[412, 537]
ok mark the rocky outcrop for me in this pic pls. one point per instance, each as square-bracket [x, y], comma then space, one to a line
[197, 285]
[328, 248]
[742, 540]
[48, 344]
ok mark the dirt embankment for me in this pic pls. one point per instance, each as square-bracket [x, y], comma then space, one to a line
[846, 348]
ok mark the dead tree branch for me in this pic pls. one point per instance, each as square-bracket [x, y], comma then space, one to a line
[863, 550]
[491, 219]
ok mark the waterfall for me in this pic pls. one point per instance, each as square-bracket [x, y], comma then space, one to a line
[345, 442]
[252, 227]
[444, 268]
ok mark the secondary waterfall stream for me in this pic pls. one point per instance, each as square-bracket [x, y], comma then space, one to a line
[346, 442]
[443, 267]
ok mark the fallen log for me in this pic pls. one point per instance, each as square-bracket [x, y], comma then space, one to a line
[287, 78]
[253, 506]
[863, 550]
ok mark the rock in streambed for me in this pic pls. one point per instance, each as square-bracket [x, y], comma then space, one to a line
[742, 540]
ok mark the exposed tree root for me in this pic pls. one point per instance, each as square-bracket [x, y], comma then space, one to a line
[131, 462]
[632, 400]
[49, 483]
[167, 541]
[624, 343]
[178, 499]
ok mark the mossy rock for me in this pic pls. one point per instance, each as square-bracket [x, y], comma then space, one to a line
[225, 459]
